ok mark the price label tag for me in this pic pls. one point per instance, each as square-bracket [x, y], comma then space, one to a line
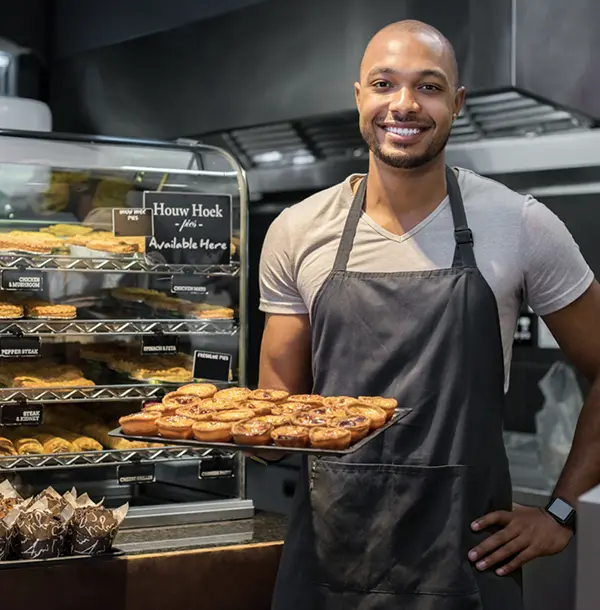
[216, 467]
[162, 345]
[186, 283]
[212, 365]
[133, 222]
[15, 279]
[20, 347]
[21, 414]
[127, 474]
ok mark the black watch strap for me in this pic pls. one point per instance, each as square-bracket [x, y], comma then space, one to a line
[562, 512]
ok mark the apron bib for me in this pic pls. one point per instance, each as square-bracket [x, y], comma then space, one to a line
[388, 527]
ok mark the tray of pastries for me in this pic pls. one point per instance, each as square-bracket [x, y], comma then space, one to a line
[198, 414]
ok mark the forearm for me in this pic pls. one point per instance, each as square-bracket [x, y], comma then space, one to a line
[582, 469]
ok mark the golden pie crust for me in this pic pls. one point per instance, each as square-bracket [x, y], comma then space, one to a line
[270, 395]
[235, 394]
[201, 390]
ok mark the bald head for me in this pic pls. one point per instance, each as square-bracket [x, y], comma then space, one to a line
[401, 35]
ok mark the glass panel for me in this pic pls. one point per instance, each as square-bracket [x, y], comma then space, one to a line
[91, 288]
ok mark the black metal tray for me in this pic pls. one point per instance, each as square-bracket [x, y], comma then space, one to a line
[52, 561]
[398, 415]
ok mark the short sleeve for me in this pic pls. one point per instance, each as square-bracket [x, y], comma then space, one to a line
[555, 272]
[278, 289]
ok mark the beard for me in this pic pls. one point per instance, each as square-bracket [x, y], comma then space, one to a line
[402, 159]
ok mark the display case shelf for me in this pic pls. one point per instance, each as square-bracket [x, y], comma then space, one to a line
[101, 458]
[84, 394]
[118, 327]
[111, 265]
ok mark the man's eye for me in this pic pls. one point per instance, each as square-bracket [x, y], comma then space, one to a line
[380, 84]
[429, 87]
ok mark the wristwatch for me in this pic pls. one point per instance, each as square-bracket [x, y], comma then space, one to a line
[562, 512]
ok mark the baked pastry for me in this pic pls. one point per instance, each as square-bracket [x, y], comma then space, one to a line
[140, 424]
[251, 432]
[197, 413]
[204, 311]
[291, 408]
[342, 402]
[329, 412]
[7, 448]
[167, 303]
[330, 438]
[161, 409]
[310, 421]
[114, 245]
[233, 415]
[219, 404]
[235, 394]
[212, 431]
[79, 441]
[52, 443]
[175, 400]
[309, 399]
[270, 395]
[389, 405]
[201, 390]
[290, 436]
[358, 425]
[275, 420]
[66, 230]
[132, 293]
[23, 442]
[10, 311]
[375, 414]
[260, 407]
[175, 427]
[44, 310]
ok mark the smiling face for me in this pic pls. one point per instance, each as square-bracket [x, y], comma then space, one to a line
[407, 96]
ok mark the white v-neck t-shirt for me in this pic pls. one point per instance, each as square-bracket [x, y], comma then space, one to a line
[524, 251]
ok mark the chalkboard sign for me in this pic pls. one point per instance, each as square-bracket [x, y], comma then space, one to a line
[20, 347]
[17, 279]
[189, 228]
[216, 467]
[128, 474]
[159, 345]
[188, 283]
[212, 365]
[21, 414]
[129, 222]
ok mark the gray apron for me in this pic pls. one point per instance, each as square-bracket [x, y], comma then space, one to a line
[389, 526]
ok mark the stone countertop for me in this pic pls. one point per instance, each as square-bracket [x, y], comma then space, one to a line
[262, 528]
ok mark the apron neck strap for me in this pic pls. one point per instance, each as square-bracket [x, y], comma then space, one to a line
[463, 253]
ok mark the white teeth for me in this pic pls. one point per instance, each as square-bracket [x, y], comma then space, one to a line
[402, 131]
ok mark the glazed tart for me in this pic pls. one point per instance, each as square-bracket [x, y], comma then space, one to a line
[163, 410]
[219, 404]
[175, 427]
[375, 414]
[197, 413]
[291, 408]
[389, 405]
[176, 400]
[140, 424]
[235, 394]
[270, 395]
[309, 399]
[310, 421]
[201, 390]
[275, 420]
[251, 432]
[290, 436]
[212, 431]
[342, 402]
[358, 425]
[234, 415]
[329, 412]
[260, 407]
[330, 438]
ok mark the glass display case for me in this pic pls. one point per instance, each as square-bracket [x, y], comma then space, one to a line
[123, 277]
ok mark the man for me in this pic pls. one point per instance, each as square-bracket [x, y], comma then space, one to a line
[408, 283]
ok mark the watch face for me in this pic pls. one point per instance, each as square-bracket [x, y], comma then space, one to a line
[561, 509]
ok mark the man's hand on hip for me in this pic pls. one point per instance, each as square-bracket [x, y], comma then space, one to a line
[526, 533]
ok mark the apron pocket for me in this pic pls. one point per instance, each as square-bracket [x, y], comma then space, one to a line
[391, 528]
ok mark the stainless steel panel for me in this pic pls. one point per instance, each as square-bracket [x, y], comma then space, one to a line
[588, 554]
